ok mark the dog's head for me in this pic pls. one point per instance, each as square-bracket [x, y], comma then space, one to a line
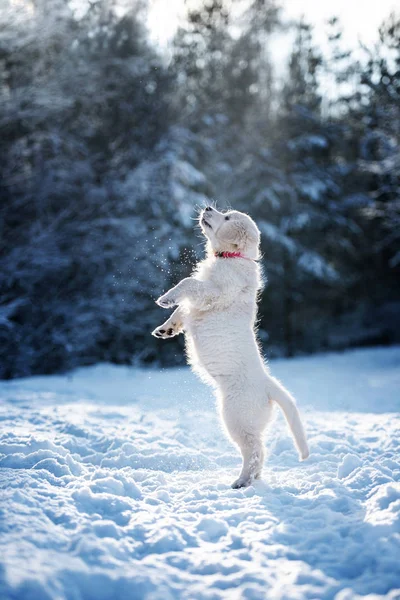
[232, 231]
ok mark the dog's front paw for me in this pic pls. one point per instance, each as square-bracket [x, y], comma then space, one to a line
[164, 333]
[168, 300]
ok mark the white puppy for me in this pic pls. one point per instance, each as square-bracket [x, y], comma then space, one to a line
[217, 309]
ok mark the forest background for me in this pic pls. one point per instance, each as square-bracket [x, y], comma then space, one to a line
[110, 144]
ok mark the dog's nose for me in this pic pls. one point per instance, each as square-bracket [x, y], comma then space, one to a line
[208, 208]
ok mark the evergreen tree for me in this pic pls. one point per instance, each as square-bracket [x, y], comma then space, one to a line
[77, 119]
[107, 154]
[380, 146]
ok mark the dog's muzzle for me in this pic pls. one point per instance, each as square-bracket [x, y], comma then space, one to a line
[205, 222]
[207, 212]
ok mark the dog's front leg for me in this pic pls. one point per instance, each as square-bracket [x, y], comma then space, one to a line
[200, 294]
[175, 295]
[172, 326]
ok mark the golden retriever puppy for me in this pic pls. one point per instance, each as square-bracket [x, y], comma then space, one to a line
[217, 309]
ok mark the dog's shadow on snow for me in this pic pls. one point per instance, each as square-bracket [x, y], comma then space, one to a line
[325, 528]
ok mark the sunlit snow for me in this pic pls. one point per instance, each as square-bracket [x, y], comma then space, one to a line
[116, 485]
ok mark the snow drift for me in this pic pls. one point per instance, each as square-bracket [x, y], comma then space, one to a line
[115, 484]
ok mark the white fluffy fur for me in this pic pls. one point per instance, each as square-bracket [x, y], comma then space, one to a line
[217, 309]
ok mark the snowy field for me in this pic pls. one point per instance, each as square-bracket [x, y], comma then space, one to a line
[115, 484]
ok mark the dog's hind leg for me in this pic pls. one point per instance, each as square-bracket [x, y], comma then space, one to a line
[252, 449]
[172, 326]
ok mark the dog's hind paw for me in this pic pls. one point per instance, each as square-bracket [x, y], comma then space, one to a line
[241, 483]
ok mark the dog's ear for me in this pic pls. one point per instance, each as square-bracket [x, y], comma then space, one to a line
[241, 235]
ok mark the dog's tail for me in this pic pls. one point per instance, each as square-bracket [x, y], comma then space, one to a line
[288, 405]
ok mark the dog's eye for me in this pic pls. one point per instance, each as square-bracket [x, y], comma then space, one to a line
[227, 218]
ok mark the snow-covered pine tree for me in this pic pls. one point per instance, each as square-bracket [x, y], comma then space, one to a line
[81, 110]
[289, 185]
[366, 116]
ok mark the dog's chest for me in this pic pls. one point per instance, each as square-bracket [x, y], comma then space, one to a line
[214, 337]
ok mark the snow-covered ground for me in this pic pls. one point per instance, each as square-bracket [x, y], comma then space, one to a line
[115, 484]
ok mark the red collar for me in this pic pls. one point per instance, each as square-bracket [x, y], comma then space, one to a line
[230, 255]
